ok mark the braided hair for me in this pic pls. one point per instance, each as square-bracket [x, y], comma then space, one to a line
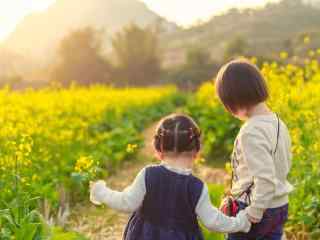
[177, 133]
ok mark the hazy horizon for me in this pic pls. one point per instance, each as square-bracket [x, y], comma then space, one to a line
[13, 11]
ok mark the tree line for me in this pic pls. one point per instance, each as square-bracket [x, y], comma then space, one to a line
[135, 59]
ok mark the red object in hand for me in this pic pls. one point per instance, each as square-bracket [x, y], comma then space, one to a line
[230, 206]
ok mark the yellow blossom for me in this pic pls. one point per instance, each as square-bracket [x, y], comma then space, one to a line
[35, 177]
[83, 164]
[283, 55]
[131, 148]
[311, 53]
[306, 40]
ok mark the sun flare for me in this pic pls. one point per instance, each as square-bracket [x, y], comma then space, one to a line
[12, 11]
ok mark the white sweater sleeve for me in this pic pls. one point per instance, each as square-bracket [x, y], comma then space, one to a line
[256, 150]
[214, 220]
[129, 200]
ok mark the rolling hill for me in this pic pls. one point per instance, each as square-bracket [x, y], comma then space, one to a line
[37, 36]
[13, 64]
[267, 30]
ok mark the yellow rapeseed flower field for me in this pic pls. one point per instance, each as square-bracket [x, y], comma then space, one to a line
[65, 137]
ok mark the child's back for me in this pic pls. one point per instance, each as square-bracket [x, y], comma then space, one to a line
[271, 162]
[168, 209]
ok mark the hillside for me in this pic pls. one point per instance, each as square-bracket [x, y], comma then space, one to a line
[45, 29]
[12, 63]
[266, 30]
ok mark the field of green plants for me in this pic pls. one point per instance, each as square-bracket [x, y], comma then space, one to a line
[54, 141]
[295, 96]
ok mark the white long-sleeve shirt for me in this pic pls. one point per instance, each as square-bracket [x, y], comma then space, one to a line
[255, 160]
[132, 198]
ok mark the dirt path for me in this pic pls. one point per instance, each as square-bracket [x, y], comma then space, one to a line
[106, 224]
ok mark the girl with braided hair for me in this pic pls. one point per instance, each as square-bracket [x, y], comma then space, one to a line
[166, 199]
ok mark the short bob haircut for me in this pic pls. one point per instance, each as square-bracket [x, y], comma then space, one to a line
[240, 84]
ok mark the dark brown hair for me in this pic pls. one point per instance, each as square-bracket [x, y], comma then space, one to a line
[240, 84]
[177, 133]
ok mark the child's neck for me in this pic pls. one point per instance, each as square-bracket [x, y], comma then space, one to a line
[259, 109]
[178, 162]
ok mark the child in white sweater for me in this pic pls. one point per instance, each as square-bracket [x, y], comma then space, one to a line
[166, 200]
[261, 159]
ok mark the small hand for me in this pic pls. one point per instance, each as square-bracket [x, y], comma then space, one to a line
[97, 191]
[243, 218]
[252, 219]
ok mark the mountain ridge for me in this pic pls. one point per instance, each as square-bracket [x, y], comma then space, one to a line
[45, 29]
[266, 30]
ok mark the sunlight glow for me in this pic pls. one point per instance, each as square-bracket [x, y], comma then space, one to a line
[13, 11]
[180, 11]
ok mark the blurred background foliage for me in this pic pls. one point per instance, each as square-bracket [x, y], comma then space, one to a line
[137, 47]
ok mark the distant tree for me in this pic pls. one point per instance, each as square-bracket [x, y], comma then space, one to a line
[294, 3]
[138, 55]
[198, 57]
[234, 13]
[288, 46]
[160, 26]
[199, 67]
[80, 59]
[235, 48]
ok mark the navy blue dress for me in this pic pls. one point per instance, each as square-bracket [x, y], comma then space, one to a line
[168, 209]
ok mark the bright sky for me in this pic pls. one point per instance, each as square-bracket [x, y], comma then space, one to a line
[184, 12]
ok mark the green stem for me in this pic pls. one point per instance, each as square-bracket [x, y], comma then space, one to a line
[17, 187]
